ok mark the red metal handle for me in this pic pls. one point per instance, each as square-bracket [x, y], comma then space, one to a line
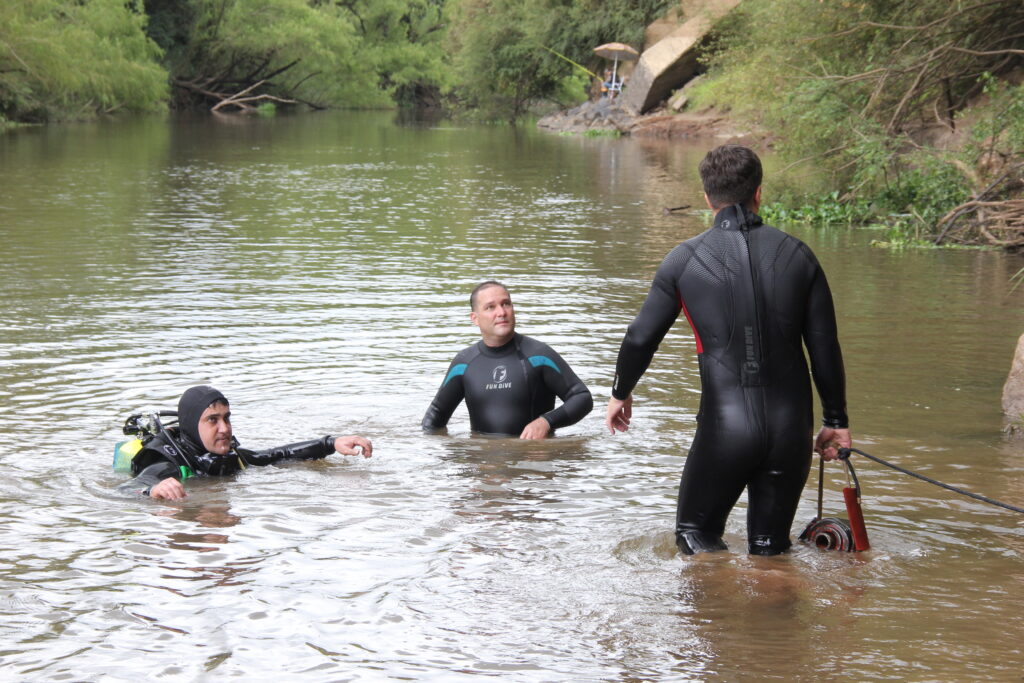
[856, 516]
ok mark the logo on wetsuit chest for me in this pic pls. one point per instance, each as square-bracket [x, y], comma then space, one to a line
[499, 375]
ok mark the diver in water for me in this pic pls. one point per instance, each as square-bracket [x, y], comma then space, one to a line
[509, 381]
[203, 445]
[754, 297]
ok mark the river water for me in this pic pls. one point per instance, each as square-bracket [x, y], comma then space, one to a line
[316, 269]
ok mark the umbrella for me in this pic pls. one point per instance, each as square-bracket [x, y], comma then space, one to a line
[616, 51]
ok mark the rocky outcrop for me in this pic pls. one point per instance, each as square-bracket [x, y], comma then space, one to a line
[609, 116]
[1013, 391]
[672, 61]
[603, 114]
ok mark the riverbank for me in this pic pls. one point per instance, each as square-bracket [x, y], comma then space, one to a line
[604, 115]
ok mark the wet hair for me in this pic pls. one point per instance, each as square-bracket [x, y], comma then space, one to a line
[480, 287]
[731, 174]
[191, 406]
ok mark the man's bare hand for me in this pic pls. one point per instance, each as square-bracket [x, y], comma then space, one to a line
[830, 440]
[538, 429]
[168, 489]
[619, 414]
[353, 445]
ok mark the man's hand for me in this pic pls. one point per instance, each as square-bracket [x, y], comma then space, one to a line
[829, 442]
[168, 489]
[619, 414]
[353, 445]
[538, 429]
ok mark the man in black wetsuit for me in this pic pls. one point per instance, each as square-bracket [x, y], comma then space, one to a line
[203, 445]
[509, 381]
[752, 295]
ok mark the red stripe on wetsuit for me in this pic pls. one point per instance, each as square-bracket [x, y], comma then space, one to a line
[696, 335]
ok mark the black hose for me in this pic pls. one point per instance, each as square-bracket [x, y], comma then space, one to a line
[844, 453]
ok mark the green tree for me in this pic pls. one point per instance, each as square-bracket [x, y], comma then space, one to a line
[62, 59]
[354, 53]
[242, 52]
[500, 64]
[402, 42]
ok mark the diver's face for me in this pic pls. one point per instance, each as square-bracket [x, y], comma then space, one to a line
[215, 428]
[494, 315]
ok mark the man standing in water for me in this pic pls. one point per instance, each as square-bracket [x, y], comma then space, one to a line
[751, 293]
[509, 381]
[203, 444]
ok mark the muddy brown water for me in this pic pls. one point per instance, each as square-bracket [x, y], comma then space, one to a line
[316, 269]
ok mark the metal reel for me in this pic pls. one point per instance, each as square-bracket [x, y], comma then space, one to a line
[830, 533]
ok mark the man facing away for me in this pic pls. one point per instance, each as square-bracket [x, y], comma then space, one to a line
[203, 444]
[509, 381]
[753, 296]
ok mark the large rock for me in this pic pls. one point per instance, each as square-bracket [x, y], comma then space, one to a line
[1013, 390]
[671, 61]
[594, 115]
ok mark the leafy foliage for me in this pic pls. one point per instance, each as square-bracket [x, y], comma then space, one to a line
[402, 41]
[284, 49]
[354, 53]
[62, 59]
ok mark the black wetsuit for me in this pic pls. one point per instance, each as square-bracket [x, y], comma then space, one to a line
[509, 386]
[752, 294]
[160, 458]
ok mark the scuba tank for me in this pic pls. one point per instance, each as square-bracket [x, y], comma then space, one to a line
[143, 426]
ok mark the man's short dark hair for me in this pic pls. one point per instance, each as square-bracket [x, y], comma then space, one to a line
[731, 175]
[482, 286]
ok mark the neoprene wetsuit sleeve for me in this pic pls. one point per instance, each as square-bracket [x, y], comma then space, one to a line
[577, 402]
[304, 450]
[447, 399]
[644, 335]
[821, 337]
[150, 477]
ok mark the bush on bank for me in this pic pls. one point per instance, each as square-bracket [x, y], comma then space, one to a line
[911, 108]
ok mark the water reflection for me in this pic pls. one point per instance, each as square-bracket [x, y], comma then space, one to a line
[208, 515]
[512, 479]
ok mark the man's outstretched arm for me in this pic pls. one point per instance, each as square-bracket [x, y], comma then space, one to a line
[446, 400]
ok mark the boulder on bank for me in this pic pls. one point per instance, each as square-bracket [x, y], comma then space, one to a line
[1013, 391]
[672, 61]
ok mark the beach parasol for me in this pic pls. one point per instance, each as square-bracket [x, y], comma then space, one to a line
[617, 52]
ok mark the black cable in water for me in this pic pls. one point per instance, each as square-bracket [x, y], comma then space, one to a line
[844, 453]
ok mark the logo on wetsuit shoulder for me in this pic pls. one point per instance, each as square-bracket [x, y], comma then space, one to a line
[499, 375]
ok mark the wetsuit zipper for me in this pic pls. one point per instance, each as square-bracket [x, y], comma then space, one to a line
[757, 380]
[756, 332]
